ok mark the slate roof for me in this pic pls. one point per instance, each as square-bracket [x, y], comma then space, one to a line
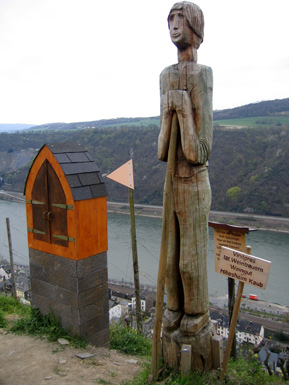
[82, 173]
[242, 325]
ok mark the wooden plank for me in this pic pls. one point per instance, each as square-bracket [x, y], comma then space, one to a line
[91, 227]
[224, 226]
[244, 267]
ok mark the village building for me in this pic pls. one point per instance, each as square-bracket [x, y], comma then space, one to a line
[246, 332]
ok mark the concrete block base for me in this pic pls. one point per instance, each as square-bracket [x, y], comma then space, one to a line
[75, 291]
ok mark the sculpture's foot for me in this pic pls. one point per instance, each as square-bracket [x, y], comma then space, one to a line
[172, 319]
[192, 324]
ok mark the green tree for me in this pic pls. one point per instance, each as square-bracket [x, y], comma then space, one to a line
[233, 193]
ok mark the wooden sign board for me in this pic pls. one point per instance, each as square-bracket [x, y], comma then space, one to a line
[229, 236]
[244, 267]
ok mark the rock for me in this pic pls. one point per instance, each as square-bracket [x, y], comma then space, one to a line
[63, 341]
[134, 362]
[62, 362]
[84, 355]
[48, 378]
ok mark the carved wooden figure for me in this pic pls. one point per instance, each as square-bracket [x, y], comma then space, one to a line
[186, 98]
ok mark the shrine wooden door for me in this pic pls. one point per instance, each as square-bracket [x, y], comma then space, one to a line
[49, 207]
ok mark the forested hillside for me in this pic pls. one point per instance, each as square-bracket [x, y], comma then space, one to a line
[265, 108]
[248, 167]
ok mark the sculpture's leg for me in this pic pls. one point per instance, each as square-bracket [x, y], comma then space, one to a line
[174, 311]
[193, 205]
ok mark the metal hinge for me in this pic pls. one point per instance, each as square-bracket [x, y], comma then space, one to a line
[64, 237]
[35, 231]
[34, 202]
[62, 206]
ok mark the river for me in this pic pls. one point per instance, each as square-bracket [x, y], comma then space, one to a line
[273, 246]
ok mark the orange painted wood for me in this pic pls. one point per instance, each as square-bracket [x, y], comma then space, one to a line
[86, 223]
[91, 227]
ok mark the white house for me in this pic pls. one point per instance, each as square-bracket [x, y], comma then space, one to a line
[133, 304]
[115, 312]
[246, 331]
[4, 275]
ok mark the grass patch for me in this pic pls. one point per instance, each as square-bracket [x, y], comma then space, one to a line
[10, 305]
[3, 321]
[129, 341]
[31, 321]
[48, 325]
[240, 372]
[255, 121]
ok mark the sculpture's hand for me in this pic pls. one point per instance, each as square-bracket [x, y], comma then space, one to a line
[178, 100]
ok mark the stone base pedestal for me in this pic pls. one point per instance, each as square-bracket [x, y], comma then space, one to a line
[201, 348]
[75, 291]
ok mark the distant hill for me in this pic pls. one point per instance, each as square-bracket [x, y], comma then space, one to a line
[103, 123]
[248, 166]
[14, 127]
[264, 108]
[268, 113]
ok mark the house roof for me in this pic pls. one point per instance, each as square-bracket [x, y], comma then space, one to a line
[80, 170]
[242, 325]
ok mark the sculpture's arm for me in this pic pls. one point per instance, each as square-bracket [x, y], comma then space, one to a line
[194, 114]
[165, 132]
[195, 117]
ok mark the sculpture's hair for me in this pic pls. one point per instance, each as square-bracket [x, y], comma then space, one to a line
[194, 16]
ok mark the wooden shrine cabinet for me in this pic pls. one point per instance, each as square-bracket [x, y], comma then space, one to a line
[66, 203]
[67, 239]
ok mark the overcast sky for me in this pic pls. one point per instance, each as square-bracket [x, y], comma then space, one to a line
[83, 60]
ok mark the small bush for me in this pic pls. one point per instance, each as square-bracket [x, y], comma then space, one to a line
[129, 341]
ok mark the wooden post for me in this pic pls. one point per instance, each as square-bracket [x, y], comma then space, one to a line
[168, 190]
[11, 257]
[135, 262]
[234, 321]
[231, 303]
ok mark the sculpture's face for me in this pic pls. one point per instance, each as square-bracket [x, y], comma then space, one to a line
[181, 33]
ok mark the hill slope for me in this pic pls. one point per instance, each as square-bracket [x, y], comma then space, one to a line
[248, 167]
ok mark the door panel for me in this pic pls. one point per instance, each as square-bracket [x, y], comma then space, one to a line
[40, 206]
[57, 207]
[49, 207]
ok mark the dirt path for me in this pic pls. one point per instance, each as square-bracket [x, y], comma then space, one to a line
[25, 360]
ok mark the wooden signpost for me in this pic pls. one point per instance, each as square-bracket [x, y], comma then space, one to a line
[230, 236]
[124, 176]
[246, 269]
[235, 238]
[14, 291]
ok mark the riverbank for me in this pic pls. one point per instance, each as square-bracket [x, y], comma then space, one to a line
[256, 222]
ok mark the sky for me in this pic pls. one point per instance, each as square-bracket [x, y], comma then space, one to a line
[83, 60]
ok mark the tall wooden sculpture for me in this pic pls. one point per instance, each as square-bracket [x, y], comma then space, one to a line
[185, 142]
